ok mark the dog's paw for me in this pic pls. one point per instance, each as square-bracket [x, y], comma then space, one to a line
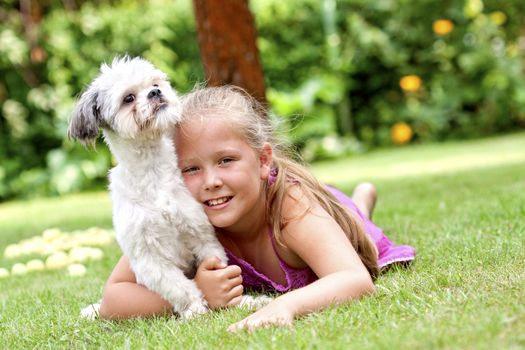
[254, 302]
[90, 312]
[195, 309]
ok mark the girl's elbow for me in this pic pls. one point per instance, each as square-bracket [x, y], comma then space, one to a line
[105, 311]
[108, 304]
[360, 285]
[369, 287]
[365, 285]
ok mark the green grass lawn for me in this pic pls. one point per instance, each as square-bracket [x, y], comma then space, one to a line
[461, 204]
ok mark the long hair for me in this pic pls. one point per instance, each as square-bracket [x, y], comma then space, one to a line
[249, 118]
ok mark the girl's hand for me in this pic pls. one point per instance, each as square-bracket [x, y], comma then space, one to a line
[220, 284]
[273, 314]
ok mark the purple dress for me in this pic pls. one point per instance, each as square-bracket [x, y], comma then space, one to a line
[388, 254]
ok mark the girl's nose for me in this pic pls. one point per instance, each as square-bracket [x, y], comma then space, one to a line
[212, 181]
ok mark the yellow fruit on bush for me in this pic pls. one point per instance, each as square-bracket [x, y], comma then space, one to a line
[401, 133]
[410, 83]
[442, 26]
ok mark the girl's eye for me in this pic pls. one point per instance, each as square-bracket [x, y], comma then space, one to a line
[226, 160]
[130, 98]
[190, 170]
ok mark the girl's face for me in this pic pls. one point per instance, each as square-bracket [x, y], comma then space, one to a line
[223, 172]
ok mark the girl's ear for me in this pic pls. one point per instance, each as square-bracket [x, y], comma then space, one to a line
[265, 160]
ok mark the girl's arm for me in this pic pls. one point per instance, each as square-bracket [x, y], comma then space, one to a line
[124, 298]
[318, 241]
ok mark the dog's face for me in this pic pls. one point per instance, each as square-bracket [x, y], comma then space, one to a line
[129, 97]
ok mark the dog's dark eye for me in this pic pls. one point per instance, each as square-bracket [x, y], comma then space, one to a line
[130, 98]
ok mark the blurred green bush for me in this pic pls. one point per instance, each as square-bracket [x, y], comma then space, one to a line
[390, 72]
[346, 75]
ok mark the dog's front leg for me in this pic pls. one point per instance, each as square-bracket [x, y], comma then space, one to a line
[172, 285]
[206, 245]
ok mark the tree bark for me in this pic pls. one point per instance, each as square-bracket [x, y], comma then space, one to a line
[227, 41]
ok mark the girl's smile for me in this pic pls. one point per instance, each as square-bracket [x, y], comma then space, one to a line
[218, 203]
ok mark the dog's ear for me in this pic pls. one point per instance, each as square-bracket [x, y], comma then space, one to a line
[85, 120]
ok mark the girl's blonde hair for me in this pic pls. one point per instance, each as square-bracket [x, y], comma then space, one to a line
[251, 120]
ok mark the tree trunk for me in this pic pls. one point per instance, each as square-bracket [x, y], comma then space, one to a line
[227, 40]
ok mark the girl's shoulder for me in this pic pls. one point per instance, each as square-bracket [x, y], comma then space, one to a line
[295, 201]
[301, 215]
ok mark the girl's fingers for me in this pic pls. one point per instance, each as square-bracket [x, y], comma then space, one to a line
[236, 327]
[212, 263]
[236, 281]
[236, 291]
[235, 296]
[234, 301]
[251, 323]
[232, 271]
[248, 325]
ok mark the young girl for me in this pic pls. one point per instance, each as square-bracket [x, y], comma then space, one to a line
[283, 231]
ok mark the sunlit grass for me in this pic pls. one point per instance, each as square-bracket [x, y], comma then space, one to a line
[425, 159]
[27, 218]
[464, 291]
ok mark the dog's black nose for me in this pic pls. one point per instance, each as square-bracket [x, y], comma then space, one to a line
[155, 93]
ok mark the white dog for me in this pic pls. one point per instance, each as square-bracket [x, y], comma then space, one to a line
[159, 226]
